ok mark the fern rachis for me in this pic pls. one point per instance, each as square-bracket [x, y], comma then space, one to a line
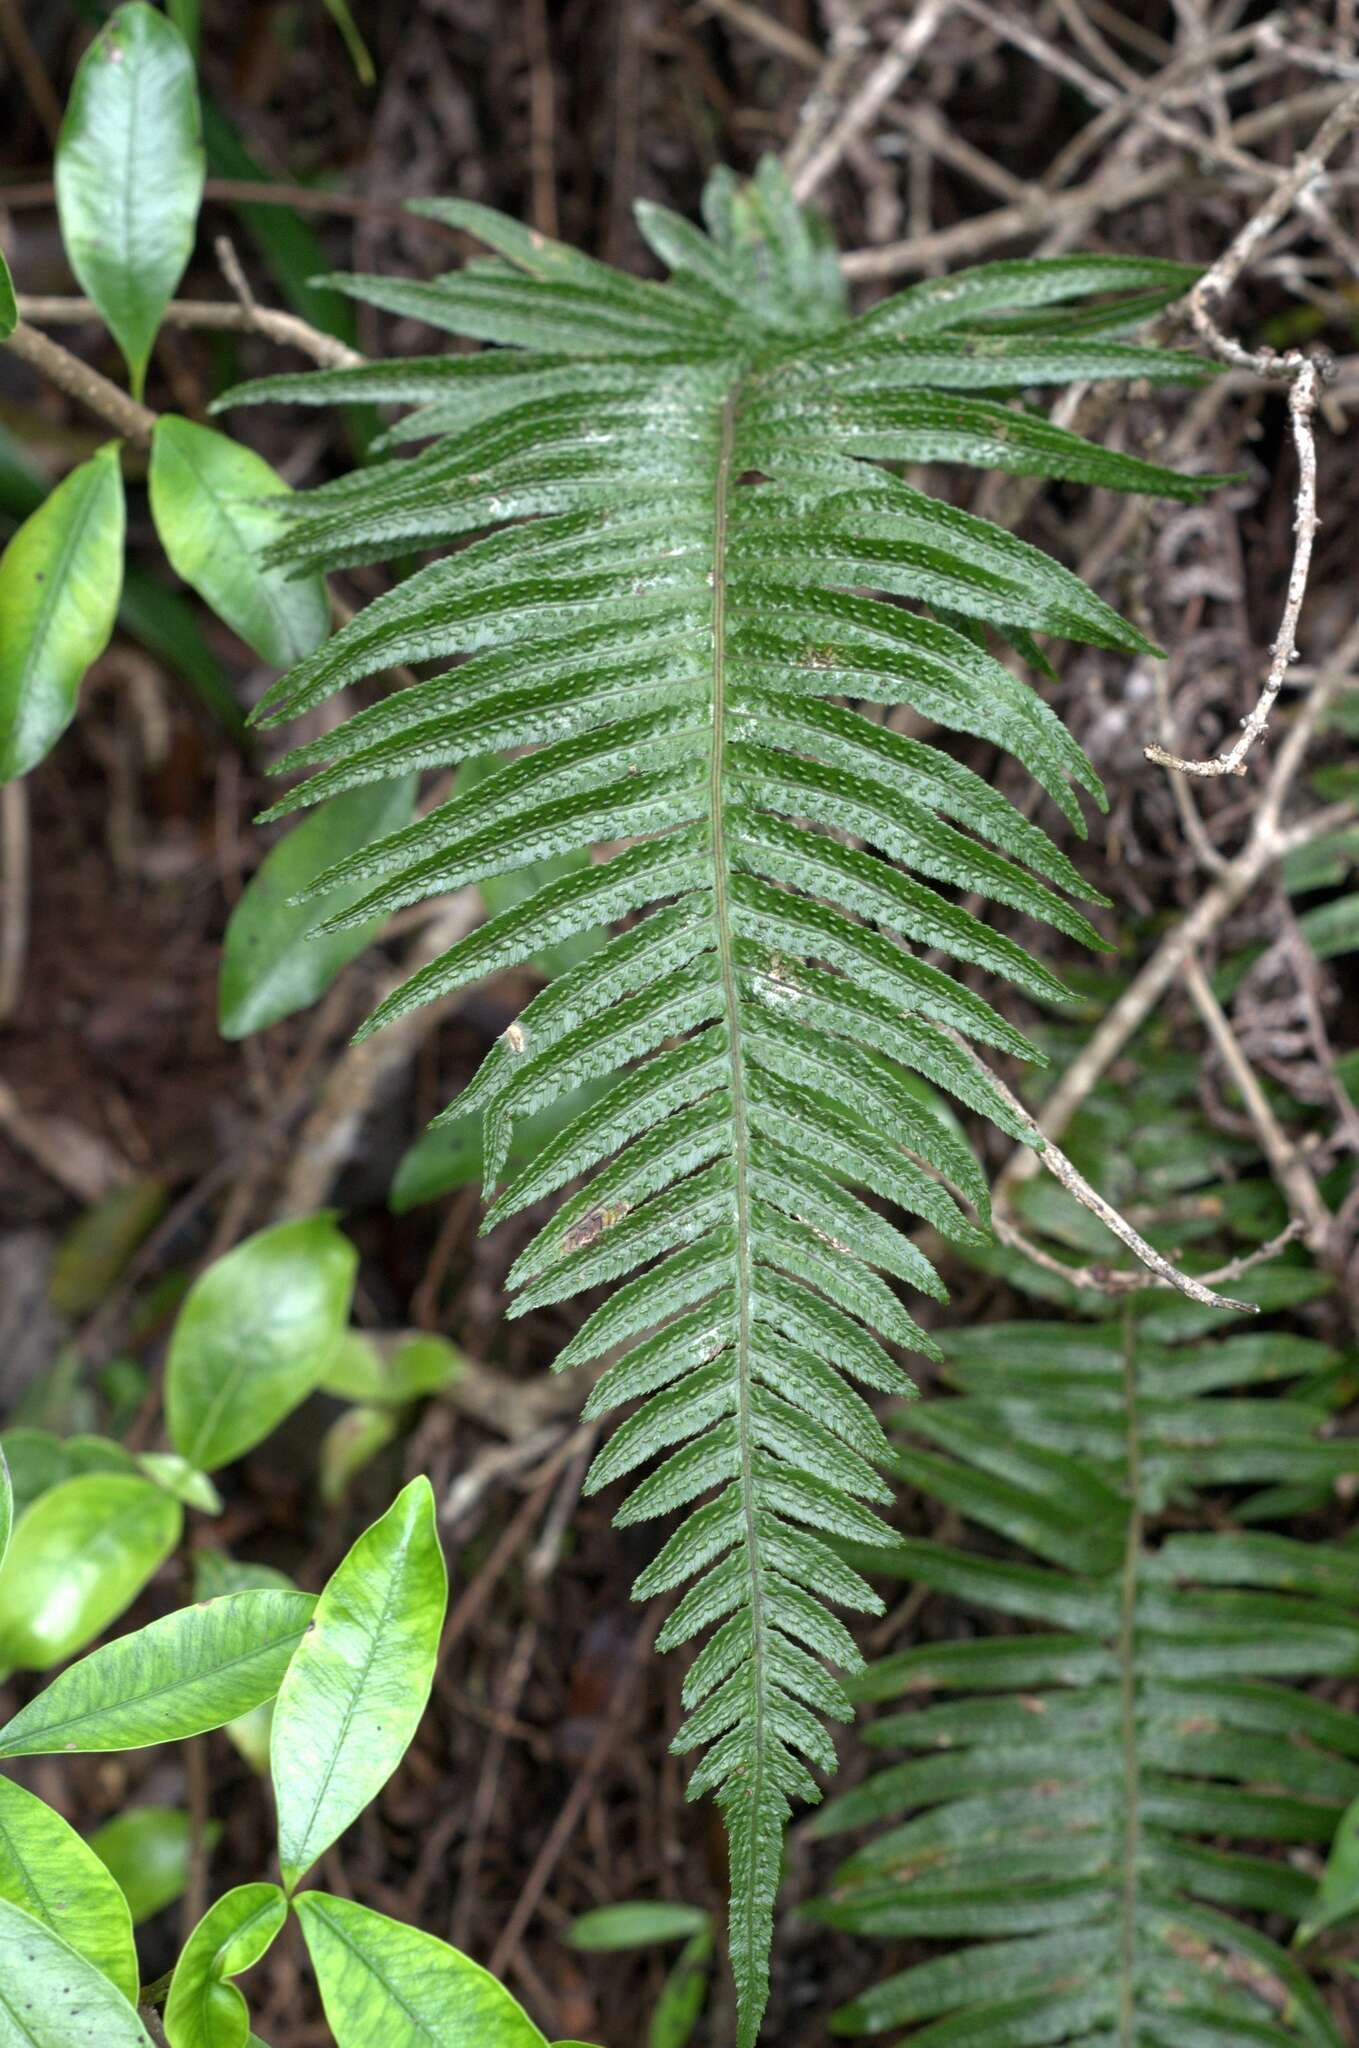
[679, 510]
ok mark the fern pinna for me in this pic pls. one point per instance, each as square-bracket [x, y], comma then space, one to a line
[1071, 1789]
[679, 516]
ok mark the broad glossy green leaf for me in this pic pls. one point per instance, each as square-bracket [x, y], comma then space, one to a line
[210, 498]
[204, 2009]
[180, 1676]
[1332, 928]
[392, 1369]
[353, 1694]
[59, 582]
[146, 1850]
[637, 1924]
[78, 1557]
[383, 1982]
[9, 311]
[46, 1869]
[254, 1337]
[50, 1997]
[129, 174]
[274, 961]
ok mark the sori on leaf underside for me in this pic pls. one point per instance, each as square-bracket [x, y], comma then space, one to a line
[660, 508]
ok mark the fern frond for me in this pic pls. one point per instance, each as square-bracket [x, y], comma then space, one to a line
[666, 511]
[1066, 1792]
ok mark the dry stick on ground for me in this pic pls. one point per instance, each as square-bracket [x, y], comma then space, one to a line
[133, 421]
[1075, 1183]
[820, 107]
[14, 873]
[288, 329]
[969, 239]
[1303, 377]
[1116, 1280]
[1288, 1169]
[542, 118]
[863, 109]
[1268, 842]
[247, 192]
[574, 1806]
[542, 1562]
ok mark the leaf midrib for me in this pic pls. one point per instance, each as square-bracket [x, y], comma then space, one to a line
[740, 1132]
[249, 1656]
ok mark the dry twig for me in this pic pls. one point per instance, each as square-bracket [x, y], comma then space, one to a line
[1303, 376]
[288, 329]
[910, 40]
[1300, 1190]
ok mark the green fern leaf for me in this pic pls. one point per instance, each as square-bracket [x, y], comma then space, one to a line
[1060, 1813]
[656, 512]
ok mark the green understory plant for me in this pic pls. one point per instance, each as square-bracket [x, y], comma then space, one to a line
[129, 171]
[258, 1331]
[348, 1674]
[655, 1923]
[1089, 1786]
[687, 573]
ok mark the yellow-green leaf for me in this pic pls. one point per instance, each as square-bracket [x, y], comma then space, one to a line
[382, 1982]
[78, 1557]
[47, 1870]
[204, 2009]
[50, 1997]
[352, 1697]
[60, 579]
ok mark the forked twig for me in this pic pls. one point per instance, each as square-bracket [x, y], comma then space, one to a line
[1073, 1180]
[1303, 377]
[909, 42]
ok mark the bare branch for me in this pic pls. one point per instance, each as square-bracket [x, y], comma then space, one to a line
[126, 417]
[285, 328]
[1288, 1169]
[1060, 1167]
[1302, 401]
[1116, 1280]
[897, 59]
